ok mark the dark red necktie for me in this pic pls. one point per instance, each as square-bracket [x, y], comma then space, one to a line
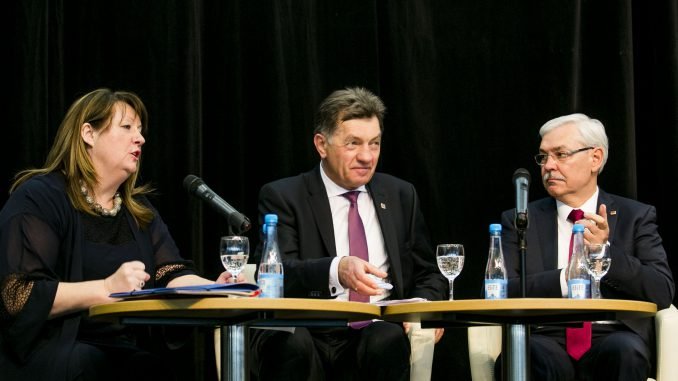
[578, 340]
[357, 241]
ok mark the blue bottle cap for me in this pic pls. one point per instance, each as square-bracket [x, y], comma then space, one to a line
[578, 228]
[269, 219]
[495, 228]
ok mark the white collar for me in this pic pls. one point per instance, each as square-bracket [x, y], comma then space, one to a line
[589, 206]
[332, 188]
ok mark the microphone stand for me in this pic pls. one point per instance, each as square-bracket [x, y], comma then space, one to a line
[518, 335]
[522, 250]
[521, 227]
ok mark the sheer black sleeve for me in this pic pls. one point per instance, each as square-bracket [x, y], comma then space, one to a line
[168, 260]
[28, 282]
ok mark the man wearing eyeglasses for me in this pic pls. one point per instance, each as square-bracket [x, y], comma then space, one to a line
[572, 153]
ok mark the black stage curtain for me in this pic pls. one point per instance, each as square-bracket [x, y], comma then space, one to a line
[231, 87]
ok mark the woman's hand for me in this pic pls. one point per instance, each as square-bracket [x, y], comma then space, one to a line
[227, 277]
[79, 296]
[130, 276]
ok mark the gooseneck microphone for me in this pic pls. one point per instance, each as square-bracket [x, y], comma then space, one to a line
[236, 220]
[521, 180]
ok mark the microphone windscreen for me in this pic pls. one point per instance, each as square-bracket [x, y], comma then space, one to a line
[521, 172]
[192, 182]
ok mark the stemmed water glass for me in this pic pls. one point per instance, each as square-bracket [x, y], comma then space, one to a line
[598, 262]
[450, 257]
[234, 251]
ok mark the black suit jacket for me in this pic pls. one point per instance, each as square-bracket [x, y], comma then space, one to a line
[306, 236]
[639, 269]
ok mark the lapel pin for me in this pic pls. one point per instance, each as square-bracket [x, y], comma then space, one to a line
[383, 206]
[613, 212]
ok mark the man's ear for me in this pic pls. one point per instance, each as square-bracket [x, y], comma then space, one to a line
[320, 143]
[597, 159]
[87, 133]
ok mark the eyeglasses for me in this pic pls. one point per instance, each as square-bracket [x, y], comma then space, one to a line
[559, 156]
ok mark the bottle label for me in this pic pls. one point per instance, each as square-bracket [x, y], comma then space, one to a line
[495, 288]
[271, 285]
[579, 288]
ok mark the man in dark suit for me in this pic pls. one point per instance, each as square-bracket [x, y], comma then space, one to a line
[572, 153]
[313, 235]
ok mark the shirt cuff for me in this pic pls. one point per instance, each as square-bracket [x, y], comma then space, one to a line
[563, 282]
[335, 287]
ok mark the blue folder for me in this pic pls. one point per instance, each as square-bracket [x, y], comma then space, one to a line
[216, 289]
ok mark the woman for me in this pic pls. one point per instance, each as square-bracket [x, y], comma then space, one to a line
[74, 232]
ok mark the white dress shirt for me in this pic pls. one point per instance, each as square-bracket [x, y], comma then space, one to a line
[339, 207]
[565, 232]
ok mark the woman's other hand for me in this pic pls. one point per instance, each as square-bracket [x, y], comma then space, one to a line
[227, 277]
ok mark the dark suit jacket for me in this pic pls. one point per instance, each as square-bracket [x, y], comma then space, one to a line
[306, 236]
[639, 269]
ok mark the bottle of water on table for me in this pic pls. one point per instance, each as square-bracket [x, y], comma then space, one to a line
[271, 276]
[495, 272]
[577, 275]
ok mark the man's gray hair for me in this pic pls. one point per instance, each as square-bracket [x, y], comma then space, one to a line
[591, 132]
[346, 104]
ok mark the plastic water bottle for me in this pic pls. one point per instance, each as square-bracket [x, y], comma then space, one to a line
[496, 284]
[271, 275]
[577, 275]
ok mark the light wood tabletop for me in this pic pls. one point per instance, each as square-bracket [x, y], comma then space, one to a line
[523, 309]
[216, 308]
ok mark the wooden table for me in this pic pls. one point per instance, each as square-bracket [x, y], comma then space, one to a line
[234, 316]
[515, 316]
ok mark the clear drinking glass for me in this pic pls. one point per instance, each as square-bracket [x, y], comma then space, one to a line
[234, 251]
[598, 262]
[450, 257]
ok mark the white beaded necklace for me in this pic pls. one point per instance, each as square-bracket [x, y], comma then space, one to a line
[97, 208]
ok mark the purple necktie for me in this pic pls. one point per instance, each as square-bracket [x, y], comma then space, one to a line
[578, 340]
[357, 241]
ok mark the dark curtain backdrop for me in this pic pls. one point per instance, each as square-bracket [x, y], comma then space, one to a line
[231, 88]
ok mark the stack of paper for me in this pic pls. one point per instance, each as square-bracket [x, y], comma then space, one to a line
[220, 289]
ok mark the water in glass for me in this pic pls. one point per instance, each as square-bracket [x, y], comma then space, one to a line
[450, 257]
[598, 262]
[234, 251]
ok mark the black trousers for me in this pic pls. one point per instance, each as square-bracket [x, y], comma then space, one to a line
[616, 354]
[380, 351]
[102, 363]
